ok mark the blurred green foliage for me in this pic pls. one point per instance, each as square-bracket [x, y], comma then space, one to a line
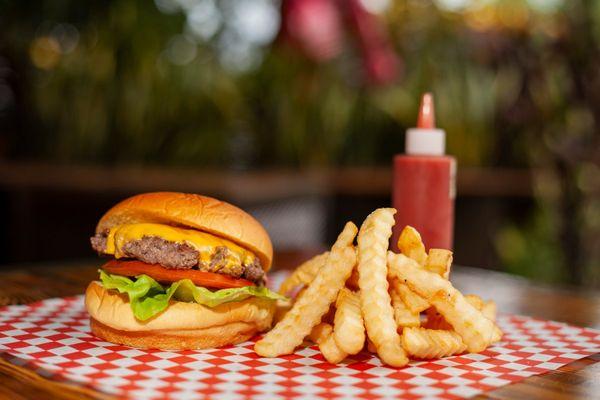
[118, 97]
[517, 84]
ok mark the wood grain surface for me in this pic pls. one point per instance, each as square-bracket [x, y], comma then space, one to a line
[579, 379]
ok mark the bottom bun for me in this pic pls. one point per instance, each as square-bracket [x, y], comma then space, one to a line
[182, 326]
[217, 336]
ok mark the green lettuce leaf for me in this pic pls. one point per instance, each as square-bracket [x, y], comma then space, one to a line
[149, 298]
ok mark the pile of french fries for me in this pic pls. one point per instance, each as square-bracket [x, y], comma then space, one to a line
[398, 305]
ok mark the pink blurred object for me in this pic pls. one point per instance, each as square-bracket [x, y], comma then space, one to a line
[314, 26]
[381, 63]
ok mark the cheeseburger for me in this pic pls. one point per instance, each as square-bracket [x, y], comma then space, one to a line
[185, 272]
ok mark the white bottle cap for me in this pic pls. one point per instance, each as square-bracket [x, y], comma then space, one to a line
[421, 141]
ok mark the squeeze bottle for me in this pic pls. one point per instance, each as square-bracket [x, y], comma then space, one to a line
[424, 182]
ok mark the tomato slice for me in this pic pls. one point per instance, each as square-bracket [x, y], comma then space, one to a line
[162, 274]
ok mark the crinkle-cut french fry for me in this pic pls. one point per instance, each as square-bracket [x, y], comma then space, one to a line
[411, 245]
[352, 282]
[318, 332]
[281, 308]
[477, 331]
[402, 314]
[373, 240]
[413, 301]
[489, 310]
[429, 343]
[304, 274]
[371, 347]
[329, 315]
[308, 310]
[349, 327]
[299, 294]
[322, 335]
[439, 261]
[497, 335]
[436, 321]
[475, 301]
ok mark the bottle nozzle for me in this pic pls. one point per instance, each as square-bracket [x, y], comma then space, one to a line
[426, 112]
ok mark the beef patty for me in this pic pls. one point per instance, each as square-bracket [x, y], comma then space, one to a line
[172, 255]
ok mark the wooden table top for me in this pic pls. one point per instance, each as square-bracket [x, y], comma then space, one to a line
[578, 379]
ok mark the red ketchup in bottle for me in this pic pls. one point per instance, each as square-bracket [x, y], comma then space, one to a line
[424, 184]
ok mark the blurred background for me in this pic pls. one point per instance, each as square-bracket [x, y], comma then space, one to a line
[294, 109]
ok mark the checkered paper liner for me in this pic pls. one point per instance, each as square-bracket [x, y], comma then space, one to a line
[53, 338]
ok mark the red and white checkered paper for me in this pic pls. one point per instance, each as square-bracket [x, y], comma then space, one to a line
[53, 337]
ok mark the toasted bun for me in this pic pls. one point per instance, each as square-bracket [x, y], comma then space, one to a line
[182, 326]
[193, 211]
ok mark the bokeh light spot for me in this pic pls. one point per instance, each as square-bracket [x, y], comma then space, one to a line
[167, 6]
[67, 37]
[453, 5]
[546, 6]
[513, 16]
[237, 55]
[256, 21]
[376, 6]
[204, 19]
[45, 52]
[181, 50]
